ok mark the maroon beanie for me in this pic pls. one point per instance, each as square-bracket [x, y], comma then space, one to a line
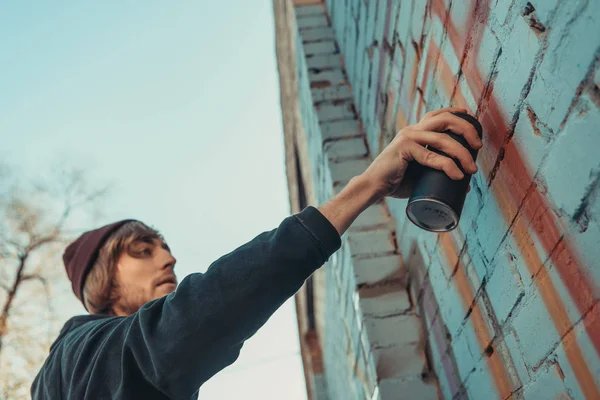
[80, 256]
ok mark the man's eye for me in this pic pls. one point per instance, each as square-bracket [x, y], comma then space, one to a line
[146, 252]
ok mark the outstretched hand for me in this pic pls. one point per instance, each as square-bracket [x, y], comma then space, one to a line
[388, 171]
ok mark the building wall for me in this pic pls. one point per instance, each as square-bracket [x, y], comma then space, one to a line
[510, 299]
[505, 306]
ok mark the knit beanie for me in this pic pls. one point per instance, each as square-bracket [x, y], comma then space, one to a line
[80, 256]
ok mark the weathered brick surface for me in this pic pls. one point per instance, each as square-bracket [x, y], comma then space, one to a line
[509, 305]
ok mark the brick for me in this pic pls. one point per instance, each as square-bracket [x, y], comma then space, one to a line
[567, 57]
[397, 209]
[371, 21]
[535, 329]
[568, 169]
[460, 15]
[384, 300]
[543, 10]
[491, 227]
[466, 351]
[324, 61]
[325, 47]
[448, 53]
[581, 339]
[373, 270]
[375, 215]
[470, 102]
[589, 245]
[452, 310]
[342, 172]
[306, 11]
[546, 385]
[476, 266]
[473, 202]
[312, 21]
[577, 300]
[395, 7]
[418, 19]
[331, 112]
[480, 381]
[514, 352]
[500, 12]
[331, 93]
[514, 67]
[371, 242]
[505, 287]
[390, 388]
[333, 76]
[532, 137]
[403, 25]
[339, 149]
[392, 331]
[317, 34]
[399, 361]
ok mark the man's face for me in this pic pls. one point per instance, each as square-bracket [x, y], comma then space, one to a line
[145, 275]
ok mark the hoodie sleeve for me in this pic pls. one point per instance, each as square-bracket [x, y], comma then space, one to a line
[178, 342]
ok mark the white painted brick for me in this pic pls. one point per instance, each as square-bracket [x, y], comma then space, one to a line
[504, 286]
[344, 171]
[317, 34]
[573, 161]
[329, 112]
[372, 216]
[566, 62]
[331, 93]
[312, 21]
[480, 381]
[390, 389]
[546, 385]
[334, 76]
[386, 304]
[399, 361]
[391, 331]
[353, 147]
[511, 345]
[372, 270]
[324, 61]
[590, 356]
[463, 349]
[514, 66]
[532, 143]
[310, 10]
[340, 129]
[535, 329]
[325, 47]
[370, 242]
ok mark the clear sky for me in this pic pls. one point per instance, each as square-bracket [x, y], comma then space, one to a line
[177, 104]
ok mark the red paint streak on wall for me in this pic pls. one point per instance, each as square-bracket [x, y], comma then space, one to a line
[413, 75]
[382, 52]
[572, 272]
[495, 362]
[432, 53]
[430, 306]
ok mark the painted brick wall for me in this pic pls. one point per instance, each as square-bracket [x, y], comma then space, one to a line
[509, 300]
[370, 335]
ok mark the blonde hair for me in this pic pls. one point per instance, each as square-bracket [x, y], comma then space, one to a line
[100, 290]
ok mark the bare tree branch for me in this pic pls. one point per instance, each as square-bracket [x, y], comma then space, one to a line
[35, 218]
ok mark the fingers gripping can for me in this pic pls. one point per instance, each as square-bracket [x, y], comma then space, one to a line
[437, 200]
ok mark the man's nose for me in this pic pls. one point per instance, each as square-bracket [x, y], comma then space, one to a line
[169, 261]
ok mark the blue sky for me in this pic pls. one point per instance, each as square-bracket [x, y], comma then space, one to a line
[176, 104]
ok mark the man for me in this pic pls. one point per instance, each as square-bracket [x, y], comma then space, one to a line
[146, 340]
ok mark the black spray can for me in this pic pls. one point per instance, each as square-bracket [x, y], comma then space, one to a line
[437, 200]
